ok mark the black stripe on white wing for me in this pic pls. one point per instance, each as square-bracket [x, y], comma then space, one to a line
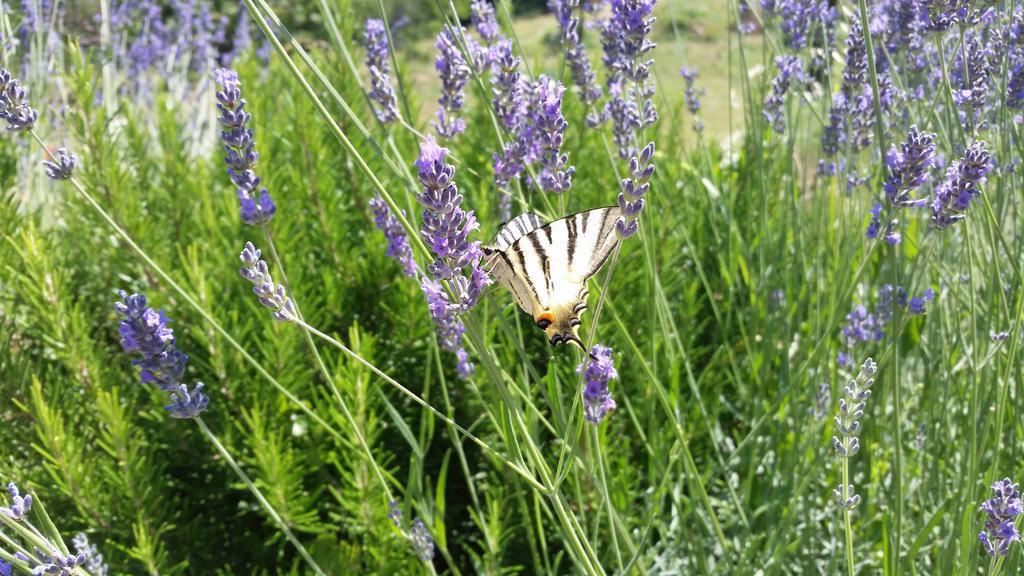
[515, 229]
[547, 267]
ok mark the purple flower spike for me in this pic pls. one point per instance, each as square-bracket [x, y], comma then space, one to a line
[144, 333]
[790, 68]
[185, 404]
[634, 188]
[398, 243]
[256, 206]
[14, 104]
[455, 74]
[375, 39]
[484, 20]
[599, 369]
[446, 229]
[550, 126]
[62, 166]
[20, 505]
[582, 72]
[908, 168]
[918, 304]
[692, 96]
[271, 295]
[624, 38]
[963, 179]
[1000, 525]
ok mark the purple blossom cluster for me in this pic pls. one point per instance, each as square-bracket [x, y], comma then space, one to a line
[851, 116]
[146, 335]
[93, 559]
[52, 561]
[257, 208]
[511, 102]
[624, 38]
[863, 326]
[20, 505]
[1001, 512]
[446, 229]
[970, 71]
[797, 19]
[634, 188]
[398, 244]
[455, 73]
[61, 165]
[962, 184]
[846, 442]
[692, 96]
[15, 110]
[583, 75]
[909, 165]
[598, 370]
[375, 40]
[791, 69]
[484, 20]
[549, 127]
[272, 296]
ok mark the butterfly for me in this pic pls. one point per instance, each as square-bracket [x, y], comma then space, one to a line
[546, 266]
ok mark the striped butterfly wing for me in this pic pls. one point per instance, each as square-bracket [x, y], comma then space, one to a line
[546, 267]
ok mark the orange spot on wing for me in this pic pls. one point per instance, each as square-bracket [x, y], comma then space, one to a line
[546, 316]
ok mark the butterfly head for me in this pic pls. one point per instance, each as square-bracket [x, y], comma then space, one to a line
[561, 327]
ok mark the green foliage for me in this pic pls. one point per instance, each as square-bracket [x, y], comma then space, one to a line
[715, 460]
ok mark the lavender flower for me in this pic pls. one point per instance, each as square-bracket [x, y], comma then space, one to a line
[5, 568]
[484, 20]
[398, 243]
[1015, 88]
[20, 505]
[511, 104]
[851, 409]
[747, 21]
[861, 327]
[599, 369]
[375, 39]
[257, 207]
[582, 73]
[631, 198]
[422, 542]
[62, 166]
[1002, 510]
[271, 295]
[796, 18]
[963, 179]
[185, 404]
[550, 126]
[692, 97]
[14, 105]
[821, 401]
[455, 73]
[144, 332]
[850, 118]
[93, 559]
[446, 229]
[790, 68]
[624, 37]
[918, 304]
[395, 513]
[971, 70]
[52, 561]
[908, 168]
[999, 336]
[941, 15]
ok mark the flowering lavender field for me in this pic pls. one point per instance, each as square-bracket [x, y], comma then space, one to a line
[259, 313]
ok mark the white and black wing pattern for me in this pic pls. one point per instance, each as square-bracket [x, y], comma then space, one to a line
[546, 268]
[515, 229]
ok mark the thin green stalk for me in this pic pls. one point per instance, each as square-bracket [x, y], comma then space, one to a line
[486, 447]
[259, 497]
[847, 524]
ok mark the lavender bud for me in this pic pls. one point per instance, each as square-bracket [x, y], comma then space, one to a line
[63, 165]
